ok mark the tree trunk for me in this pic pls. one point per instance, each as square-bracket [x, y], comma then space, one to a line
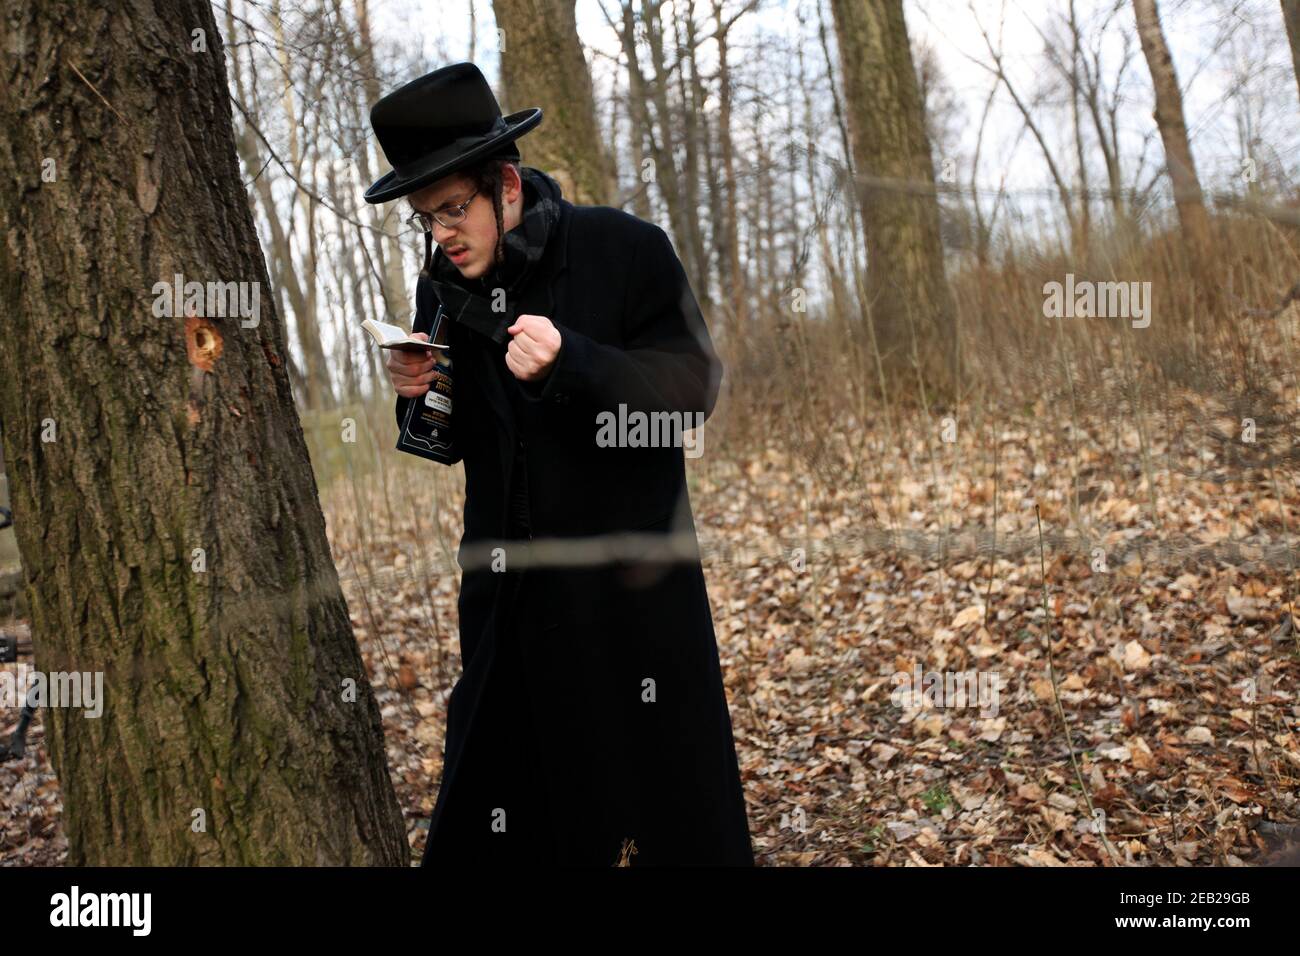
[654, 91]
[906, 286]
[821, 209]
[133, 440]
[1084, 238]
[732, 278]
[346, 280]
[638, 101]
[1291, 14]
[695, 140]
[641, 184]
[542, 64]
[1088, 83]
[841, 127]
[319, 392]
[1173, 131]
[383, 216]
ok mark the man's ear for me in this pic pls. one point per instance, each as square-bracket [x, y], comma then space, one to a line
[512, 183]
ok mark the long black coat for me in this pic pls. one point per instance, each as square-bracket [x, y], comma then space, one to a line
[591, 711]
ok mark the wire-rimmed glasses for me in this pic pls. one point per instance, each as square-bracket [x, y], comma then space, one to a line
[447, 216]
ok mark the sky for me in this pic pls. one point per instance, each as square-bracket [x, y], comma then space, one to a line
[1193, 29]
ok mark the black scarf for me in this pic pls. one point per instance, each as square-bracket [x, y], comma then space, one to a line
[469, 301]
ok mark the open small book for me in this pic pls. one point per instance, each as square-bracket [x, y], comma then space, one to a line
[393, 337]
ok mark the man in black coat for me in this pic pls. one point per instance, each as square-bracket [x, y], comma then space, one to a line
[590, 725]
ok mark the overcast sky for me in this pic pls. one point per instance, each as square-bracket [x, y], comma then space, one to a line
[1257, 55]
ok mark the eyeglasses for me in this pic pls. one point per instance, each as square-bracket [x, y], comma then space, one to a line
[448, 216]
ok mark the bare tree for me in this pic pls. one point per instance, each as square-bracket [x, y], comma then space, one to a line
[298, 285]
[657, 117]
[727, 238]
[387, 249]
[1188, 199]
[906, 286]
[998, 69]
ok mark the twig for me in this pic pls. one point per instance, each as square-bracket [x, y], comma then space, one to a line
[124, 120]
[315, 197]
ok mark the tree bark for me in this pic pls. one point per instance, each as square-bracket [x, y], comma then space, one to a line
[226, 735]
[911, 305]
[543, 65]
[1173, 130]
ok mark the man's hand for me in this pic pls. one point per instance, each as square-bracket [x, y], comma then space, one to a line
[533, 347]
[411, 372]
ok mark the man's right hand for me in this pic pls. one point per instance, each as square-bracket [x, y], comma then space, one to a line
[411, 372]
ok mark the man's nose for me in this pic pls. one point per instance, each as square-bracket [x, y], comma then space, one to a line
[441, 233]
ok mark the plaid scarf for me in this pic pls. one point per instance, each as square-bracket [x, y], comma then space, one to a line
[469, 301]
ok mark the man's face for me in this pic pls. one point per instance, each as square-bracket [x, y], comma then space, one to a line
[471, 243]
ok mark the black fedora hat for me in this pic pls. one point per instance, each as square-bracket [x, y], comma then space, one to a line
[438, 124]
